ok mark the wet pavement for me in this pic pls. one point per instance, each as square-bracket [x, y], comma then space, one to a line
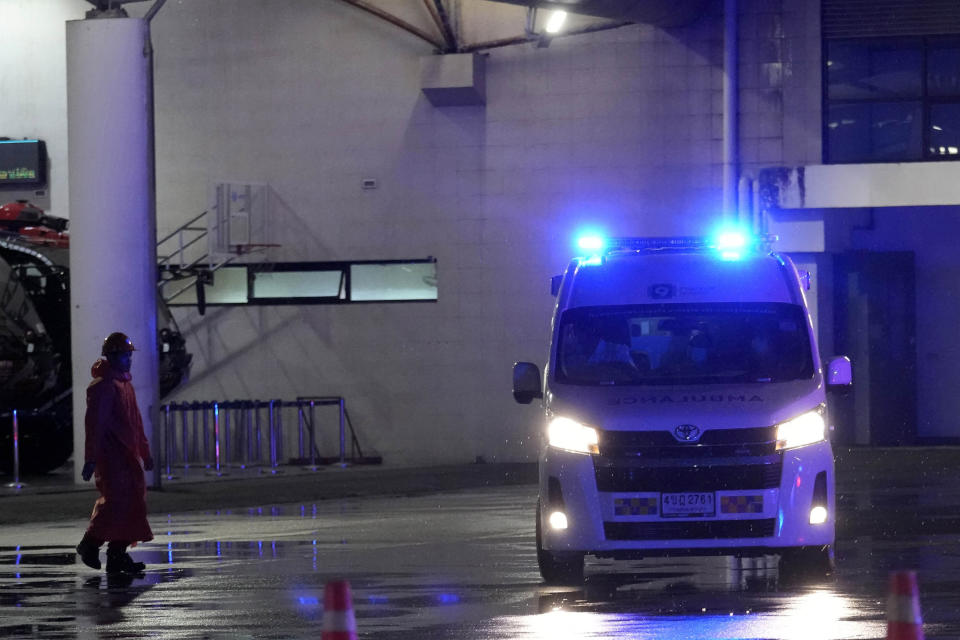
[456, 565]
[461, 564]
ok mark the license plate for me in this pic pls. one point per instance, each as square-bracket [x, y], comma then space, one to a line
[690, 504]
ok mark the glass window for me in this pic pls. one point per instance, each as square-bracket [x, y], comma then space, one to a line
[229, 287]
[404, 281]
[892, 100]
[311, 283]
[684, 344]
[943, 71]
[945, 130]
[297, 284]
[870, 70]
[874, 132]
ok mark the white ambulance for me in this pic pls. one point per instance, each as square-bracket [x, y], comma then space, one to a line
[684, 409]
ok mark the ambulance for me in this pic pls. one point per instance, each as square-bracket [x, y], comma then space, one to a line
[684, 408]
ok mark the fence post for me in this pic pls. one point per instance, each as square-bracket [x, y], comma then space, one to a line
[313, 442]
[343, 437]
[273, 415]
[216, 437]
[280, 436]
[256, 429]
[300, 429]
[16, 484]
[185, 437]
[205, 408]
[169, 433]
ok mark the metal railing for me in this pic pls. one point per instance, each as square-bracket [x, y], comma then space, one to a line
[253, 434]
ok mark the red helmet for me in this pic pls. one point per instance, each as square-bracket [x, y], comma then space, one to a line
[115, 343]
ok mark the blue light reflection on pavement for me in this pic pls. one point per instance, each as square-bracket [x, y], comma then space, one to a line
[450, 566]
[816, 614]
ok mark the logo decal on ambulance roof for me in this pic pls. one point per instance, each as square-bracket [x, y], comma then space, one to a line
[661, 291]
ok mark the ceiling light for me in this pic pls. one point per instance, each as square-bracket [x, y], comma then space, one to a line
[555, 21]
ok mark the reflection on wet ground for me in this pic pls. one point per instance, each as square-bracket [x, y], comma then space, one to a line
[458, 565]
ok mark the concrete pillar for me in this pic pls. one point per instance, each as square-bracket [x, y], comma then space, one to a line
[112, 227]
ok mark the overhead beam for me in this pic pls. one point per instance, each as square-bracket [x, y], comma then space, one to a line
[506, 42]
[444, 22]
[394, 20]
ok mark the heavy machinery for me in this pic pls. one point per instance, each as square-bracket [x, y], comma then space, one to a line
[35, 366]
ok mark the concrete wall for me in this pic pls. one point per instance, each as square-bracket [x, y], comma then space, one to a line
[619, 130]
[33, 86]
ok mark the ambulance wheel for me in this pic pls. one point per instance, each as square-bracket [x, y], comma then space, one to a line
[807, 562]
[558, 567]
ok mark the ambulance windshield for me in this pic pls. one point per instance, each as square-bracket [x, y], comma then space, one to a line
[673, 344]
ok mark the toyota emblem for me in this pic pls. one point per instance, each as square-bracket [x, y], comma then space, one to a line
[687, 433]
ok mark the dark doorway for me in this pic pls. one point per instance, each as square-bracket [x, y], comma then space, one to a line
[875, 324]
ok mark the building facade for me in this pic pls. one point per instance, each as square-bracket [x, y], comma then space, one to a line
[619, 130]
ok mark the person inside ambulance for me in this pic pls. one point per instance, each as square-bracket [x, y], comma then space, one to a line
[613, 341]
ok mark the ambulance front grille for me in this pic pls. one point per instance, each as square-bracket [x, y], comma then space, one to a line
[714, 443]
[625, 476]
[690, 530]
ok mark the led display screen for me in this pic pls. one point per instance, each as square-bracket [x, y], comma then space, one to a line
[23, 163]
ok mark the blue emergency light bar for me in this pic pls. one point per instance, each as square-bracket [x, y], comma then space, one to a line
[731, 244]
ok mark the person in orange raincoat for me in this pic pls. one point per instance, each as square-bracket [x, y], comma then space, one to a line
[115, 446]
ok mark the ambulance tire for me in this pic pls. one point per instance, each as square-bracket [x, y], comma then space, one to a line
[558, 568]
[810, 563]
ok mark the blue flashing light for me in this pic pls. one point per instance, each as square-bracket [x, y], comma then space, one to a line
[731, 241]
[591, 243]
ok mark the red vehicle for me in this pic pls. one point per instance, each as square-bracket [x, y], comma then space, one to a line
[31, 224]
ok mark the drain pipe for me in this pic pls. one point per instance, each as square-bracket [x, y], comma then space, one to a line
[731, 134]
[157, 479]
[744, 213]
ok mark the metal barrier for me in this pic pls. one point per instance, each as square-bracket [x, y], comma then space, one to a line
[220, 436]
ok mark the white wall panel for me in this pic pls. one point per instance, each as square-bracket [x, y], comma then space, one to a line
[34, 88]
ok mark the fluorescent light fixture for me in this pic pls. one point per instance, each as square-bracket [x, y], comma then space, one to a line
[555, 21]
[558, 520]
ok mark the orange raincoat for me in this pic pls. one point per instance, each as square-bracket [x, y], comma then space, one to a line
[117, 444]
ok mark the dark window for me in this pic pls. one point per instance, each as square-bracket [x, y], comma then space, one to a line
[878, 131]
[945, 130]
[892, 100]
[673, 344]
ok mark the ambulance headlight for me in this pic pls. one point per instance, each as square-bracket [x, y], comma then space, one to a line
[802, 430]
[570, 435]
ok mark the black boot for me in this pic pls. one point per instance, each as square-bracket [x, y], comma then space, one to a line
[119, 561]
[89, 551]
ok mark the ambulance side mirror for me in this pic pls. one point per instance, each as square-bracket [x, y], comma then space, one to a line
[555, 285]
[839, 374]
[526, 382]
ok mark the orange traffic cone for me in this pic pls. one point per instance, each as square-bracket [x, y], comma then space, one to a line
[903, 607]
[338, 620]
